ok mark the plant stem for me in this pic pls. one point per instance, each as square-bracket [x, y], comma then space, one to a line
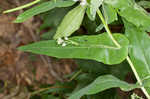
[22, 7]
[44, 89]
[107, 29]
[75, 75]
[137, 77]
[128, 59]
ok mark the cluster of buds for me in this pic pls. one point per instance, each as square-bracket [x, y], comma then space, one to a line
[82, 2]
[61, 41]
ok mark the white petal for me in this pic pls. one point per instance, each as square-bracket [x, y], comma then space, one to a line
[64, 44]
[66, 38]
[60, 41]
[83, 3]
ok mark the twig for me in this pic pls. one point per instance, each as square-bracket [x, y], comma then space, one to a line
[22, 7]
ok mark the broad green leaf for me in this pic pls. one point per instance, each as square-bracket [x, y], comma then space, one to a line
[139, 51]
[71, 22]
[46, 6]
[97, 47]
[102, 83]
[94, 6]
[132, 12]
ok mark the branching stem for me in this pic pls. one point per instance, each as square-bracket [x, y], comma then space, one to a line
[128, 58]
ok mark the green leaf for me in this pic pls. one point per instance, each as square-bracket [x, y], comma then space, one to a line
[48, 35]
[139, 51]
[89, 14]
[145, 4]
[132, 12]
[71, 22]
[110, 16]
[109, 13]
[97, 47]
[94, 6]
[102, 83]
[60, 88]
[53, 17]
[92, 67]
[97, 68]
[46, 6]
[89, 25]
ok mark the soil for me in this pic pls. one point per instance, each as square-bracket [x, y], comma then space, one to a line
[16, 67]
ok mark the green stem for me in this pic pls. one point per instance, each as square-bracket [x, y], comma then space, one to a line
[22, 7]
[137, 77]
[107, 29]
[75, 75]
[128, 59]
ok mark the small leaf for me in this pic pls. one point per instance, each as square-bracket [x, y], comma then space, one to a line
[110, 15]
[94, 6]
[139, 51]
[102, 83]
[89, 14]
[71, 22]
[46, 6]
[98, 47]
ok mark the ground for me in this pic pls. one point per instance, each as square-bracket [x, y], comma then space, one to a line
[19, 69]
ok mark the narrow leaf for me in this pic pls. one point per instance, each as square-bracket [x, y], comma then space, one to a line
[139, 52]
[98, 47]
[46, 6]
[102, 83]
[71, 22]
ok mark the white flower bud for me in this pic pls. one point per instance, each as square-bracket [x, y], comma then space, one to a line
[64, 44]
[83, 3]
[66, 38]
[60, 41]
